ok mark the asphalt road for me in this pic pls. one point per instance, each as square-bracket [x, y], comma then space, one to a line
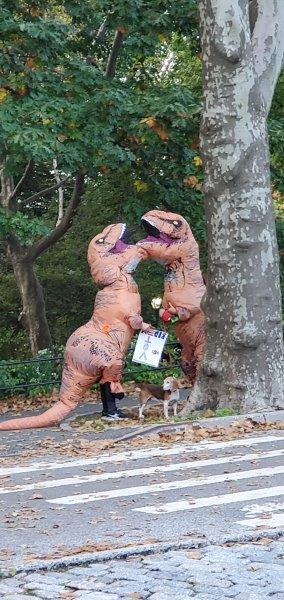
[208, 490]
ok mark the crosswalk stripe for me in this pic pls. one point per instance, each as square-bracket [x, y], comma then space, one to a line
[170, 485]
[139, 454]
[183, 466]
[268, 515]
[181, 505]
[257, 509]
[276, 520]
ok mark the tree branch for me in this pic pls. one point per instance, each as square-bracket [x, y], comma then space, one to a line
[18, 188]
[253, 12]
[101, 32]
[167, 64]
[60, 192]
[46, 242]
[268, 46]
[47, 191]
[114, 53]
[229, 41]
[7, 185]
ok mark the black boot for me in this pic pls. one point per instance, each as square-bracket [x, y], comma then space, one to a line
[103, 398]
[121, 414]
[108, 400]
[110, 412]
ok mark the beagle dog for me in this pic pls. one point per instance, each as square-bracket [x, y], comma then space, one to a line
[168, 393]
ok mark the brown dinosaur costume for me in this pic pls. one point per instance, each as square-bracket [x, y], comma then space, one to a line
[95, 352]
[170, 242]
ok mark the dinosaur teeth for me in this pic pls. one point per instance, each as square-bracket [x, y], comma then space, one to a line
[123, 230]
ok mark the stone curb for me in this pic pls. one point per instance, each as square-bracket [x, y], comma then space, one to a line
[261, 418]
[143, 550]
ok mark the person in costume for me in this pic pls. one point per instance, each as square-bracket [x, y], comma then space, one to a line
[171, 243]
[96, 351]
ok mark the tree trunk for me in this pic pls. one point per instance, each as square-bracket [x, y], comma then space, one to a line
[33, 315]
[243, 363]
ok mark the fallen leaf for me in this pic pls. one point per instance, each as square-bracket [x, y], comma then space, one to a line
[194, 554]
[263, 542]
[36, 497]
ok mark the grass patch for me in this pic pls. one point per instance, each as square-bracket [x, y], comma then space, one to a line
[225, 412]
[153, 416]
[197, 415]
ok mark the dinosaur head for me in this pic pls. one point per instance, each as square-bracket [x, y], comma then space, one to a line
[168, 236]
[110, 256]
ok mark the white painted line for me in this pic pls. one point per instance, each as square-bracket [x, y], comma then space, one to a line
[170, 485]
[276, 520]
[140, 454]
[183, 466]
[258, 509]
[169, 507]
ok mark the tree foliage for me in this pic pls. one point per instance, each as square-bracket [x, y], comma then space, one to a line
[115, 90]
[55, 97]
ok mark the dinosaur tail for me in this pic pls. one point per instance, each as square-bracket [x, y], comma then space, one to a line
[50, 417]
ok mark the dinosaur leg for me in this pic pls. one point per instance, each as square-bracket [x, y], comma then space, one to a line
[188, 366]
[112, 374]
[187, 361]
[111, 377]
[191, 335]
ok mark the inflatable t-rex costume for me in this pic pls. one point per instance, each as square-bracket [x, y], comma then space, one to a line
[95, 352]
[170, 242]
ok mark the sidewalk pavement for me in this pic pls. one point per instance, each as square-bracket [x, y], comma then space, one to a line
[247, 566]
[245, 571]
[17, 441]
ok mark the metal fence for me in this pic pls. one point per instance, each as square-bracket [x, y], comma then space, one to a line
[170, 361]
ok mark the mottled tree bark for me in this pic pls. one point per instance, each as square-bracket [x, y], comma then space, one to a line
[243, 362]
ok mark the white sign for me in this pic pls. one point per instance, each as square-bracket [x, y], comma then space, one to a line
[149, 347]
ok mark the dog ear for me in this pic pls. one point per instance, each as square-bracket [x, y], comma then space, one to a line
[179, 384]
[175, 384]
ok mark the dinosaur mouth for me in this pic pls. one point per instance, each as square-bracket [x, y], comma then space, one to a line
[154, 235]
[122, 243]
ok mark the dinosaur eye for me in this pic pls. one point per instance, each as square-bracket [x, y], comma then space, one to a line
[100, 241]
[177, 223]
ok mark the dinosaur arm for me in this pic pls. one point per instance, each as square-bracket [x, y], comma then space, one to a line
[147, 327]
[136, 322]
[182, 313]
[169, 310]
